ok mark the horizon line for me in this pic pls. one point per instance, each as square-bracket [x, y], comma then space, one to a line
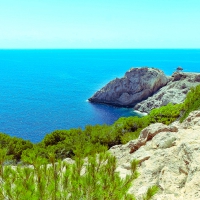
[100, 48]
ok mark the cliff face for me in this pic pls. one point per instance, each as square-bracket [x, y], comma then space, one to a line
[169, 157]
[137, 85]
[175, 91]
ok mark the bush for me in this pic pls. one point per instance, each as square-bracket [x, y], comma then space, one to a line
[15, 146]
[192, 102]
[62, 181]
[165, 114]
[55, 137]
[129, 128]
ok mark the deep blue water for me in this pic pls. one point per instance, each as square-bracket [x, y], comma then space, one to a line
[45, 90]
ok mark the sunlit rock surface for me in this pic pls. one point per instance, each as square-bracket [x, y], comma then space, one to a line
[174, 92]
[137, 84]
[169, 158]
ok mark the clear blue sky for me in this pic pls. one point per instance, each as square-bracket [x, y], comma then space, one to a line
[99, 24]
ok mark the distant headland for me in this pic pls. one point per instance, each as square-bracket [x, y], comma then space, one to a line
[146, 88]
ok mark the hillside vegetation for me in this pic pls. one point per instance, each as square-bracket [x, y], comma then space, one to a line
[95, 139]
[40, 173]
[91, 179]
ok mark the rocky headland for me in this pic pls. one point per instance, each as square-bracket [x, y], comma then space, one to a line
[169, 157]
[137, 85]
[146, 88]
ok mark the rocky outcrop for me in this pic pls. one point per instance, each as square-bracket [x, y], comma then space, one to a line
[148, 133]
[169, 158]
[147, 88]
[174, 92]
[137, 85]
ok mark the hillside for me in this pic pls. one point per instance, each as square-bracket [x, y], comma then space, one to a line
[170, 159]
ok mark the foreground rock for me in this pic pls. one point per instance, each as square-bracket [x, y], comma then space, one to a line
[149, 132]
[137, 85]
[169, 158]
[174, 92]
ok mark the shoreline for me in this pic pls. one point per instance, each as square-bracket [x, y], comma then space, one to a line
[140, 113]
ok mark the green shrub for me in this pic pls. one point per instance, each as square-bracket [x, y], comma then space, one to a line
[129, 128]
[15, 146]
[192, 102]
[55, 137]
[165, 114]
[102, 134]
[62, 181]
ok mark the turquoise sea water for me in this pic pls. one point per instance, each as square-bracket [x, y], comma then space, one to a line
[45, 90]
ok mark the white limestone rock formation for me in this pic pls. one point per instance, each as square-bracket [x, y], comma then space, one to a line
[137, 84]
[174, 92]
[148, 133]
[170, 159]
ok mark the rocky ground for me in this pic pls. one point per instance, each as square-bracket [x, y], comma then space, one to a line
[169, 157]
[174, 92]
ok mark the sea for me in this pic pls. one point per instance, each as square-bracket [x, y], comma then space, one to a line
[46, 90]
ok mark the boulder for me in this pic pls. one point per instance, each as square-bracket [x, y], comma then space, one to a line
[148, 133]
[174, 92]
[137, 85]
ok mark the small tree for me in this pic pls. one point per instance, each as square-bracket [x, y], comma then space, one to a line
[94, 178]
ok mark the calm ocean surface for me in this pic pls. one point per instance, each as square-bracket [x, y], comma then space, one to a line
[45, 90]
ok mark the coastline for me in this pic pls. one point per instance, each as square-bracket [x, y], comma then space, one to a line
[145, 88]
[140, 113]
[57, 83]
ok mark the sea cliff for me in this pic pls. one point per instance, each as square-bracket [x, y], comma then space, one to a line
[137, 85]
[146, 88]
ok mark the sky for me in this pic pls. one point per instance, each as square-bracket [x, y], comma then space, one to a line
[88, 24]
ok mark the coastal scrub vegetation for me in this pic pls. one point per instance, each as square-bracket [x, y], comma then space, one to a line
[15, 146]
[89, 179]
[192, 102]
[98, 138]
